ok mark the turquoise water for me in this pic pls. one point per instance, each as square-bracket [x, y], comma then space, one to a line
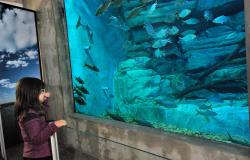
[174, 65]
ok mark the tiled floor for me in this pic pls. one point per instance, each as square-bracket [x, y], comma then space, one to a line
[15, 153]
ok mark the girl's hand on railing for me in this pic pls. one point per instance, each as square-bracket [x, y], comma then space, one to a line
[60, 123]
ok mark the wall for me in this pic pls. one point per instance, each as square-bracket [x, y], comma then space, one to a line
[105, 139]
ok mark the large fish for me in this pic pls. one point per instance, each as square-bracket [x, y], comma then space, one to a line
[79, 100]
[114, 21]
[135, 12]
[92, 67]
[103, 7]
[205, 107]
[207, 113]
[82, 89]
[79, 80]
[90, 33]
[78, 24]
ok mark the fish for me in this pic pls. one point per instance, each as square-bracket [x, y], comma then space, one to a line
[236, 141]
[79, 93]
[158, 53]
[79, 80]
[208, 15]
[107, 92]
[207, 113]
[82, 89]
[184, 13]
[103, 7]
[79, 100]
[161, 33]
[87, 51]
[161, 43]
[114, 21]
[78, 24]
[188, 37]
[173, 30]
[117, 3]
[231, 35]
[149, 28]
[221, 19]
[145, 1]
[90, 34]
[92, 67]
[191, 31]
[135, 12]
[152, 7]
[191, 21]
[167, 103]
[215, 98]
[205, 107]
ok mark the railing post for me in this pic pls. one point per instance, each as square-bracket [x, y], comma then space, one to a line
[2, 144]
[54, 147]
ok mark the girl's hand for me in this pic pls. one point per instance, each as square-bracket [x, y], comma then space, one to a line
[60, 123]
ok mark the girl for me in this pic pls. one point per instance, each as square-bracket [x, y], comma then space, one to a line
[30, 108]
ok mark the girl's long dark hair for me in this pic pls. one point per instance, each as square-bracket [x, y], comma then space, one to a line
[27, 93]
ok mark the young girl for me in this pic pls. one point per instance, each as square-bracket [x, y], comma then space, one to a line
[30, 108]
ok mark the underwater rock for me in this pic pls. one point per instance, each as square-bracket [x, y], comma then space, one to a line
[213, 40]
[238, 21]
[198, 59]
[200, 94]
[150, 114]
[210, 4]
[165, 13]
[227, 73]
[132, 54]
[136, 85]
[165, 87]
[130, 64]
[165, 66]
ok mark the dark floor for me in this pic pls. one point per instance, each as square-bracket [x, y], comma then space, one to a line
[15, 153]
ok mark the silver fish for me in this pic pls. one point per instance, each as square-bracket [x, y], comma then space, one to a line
[191, 21]
[184, 13]
[188, 37]
[114, 21]
[161, 33]
[188, 32]
[152, 7]
[221, 19]
[207, 113]
[208, 15]
[149, 28]
[161, 43]
[158, 53]
[173, 30]
[205, 107]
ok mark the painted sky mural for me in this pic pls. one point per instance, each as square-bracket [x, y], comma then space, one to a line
[19, 52]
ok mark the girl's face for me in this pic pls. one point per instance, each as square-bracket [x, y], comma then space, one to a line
[44, 95]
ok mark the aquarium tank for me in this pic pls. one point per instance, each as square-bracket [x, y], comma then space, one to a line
[173, 65]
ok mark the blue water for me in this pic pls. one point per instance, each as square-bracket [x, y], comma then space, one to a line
[178, 66]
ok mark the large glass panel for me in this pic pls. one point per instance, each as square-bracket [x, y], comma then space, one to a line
[175, 65]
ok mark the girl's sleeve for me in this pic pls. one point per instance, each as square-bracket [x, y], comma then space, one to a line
[38, 134]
